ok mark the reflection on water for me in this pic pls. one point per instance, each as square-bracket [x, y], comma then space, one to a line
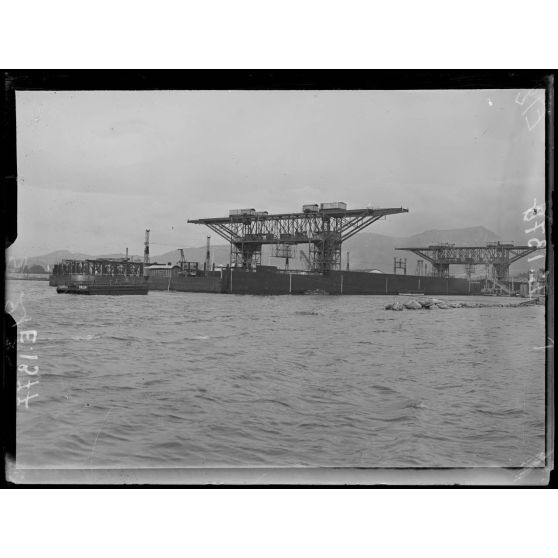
[191, 379]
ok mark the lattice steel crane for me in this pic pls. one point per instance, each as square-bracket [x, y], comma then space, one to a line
[322, 227]
[499, 255]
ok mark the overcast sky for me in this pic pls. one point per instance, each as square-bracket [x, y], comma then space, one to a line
[95, 169]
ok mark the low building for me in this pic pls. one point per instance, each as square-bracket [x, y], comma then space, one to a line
[165, 270]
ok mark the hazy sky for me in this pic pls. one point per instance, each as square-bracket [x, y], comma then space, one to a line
[97, 168]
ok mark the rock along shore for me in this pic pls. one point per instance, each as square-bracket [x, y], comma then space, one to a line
[436, 304]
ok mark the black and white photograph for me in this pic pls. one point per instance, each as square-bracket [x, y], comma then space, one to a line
[282, 284]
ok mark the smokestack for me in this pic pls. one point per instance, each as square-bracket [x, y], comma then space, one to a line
[146, 252]
[126, 253]
[146, 249]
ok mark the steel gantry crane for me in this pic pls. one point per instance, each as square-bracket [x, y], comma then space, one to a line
[498, 255]
[322, 227]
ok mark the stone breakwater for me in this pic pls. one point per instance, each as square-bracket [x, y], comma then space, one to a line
[436, 304]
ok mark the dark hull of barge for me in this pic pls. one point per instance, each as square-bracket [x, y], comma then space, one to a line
[201, 284]
[344, 283]
[112, 290]
[279, 283]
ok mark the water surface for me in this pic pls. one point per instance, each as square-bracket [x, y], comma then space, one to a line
[193, 379]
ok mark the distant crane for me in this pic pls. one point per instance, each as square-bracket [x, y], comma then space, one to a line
[182, 260]
[400, 263]
[498, 255]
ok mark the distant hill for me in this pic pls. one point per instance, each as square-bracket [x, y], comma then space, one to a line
[367, 251]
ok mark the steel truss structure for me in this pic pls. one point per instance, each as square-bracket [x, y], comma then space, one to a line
[400, 263]
[497, 255]
[100, 267]
[323, 231]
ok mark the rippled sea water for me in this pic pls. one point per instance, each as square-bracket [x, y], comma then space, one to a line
[192, 379]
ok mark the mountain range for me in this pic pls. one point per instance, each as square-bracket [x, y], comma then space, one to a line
[366, 251]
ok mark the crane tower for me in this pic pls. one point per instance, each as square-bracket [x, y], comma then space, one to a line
[323, 228]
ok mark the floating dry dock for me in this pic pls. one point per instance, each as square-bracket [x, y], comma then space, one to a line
[266, 280]
[318, 232]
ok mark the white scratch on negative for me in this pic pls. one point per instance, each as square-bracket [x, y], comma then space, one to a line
[98, 434]
[538, 461]
[549, 346]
